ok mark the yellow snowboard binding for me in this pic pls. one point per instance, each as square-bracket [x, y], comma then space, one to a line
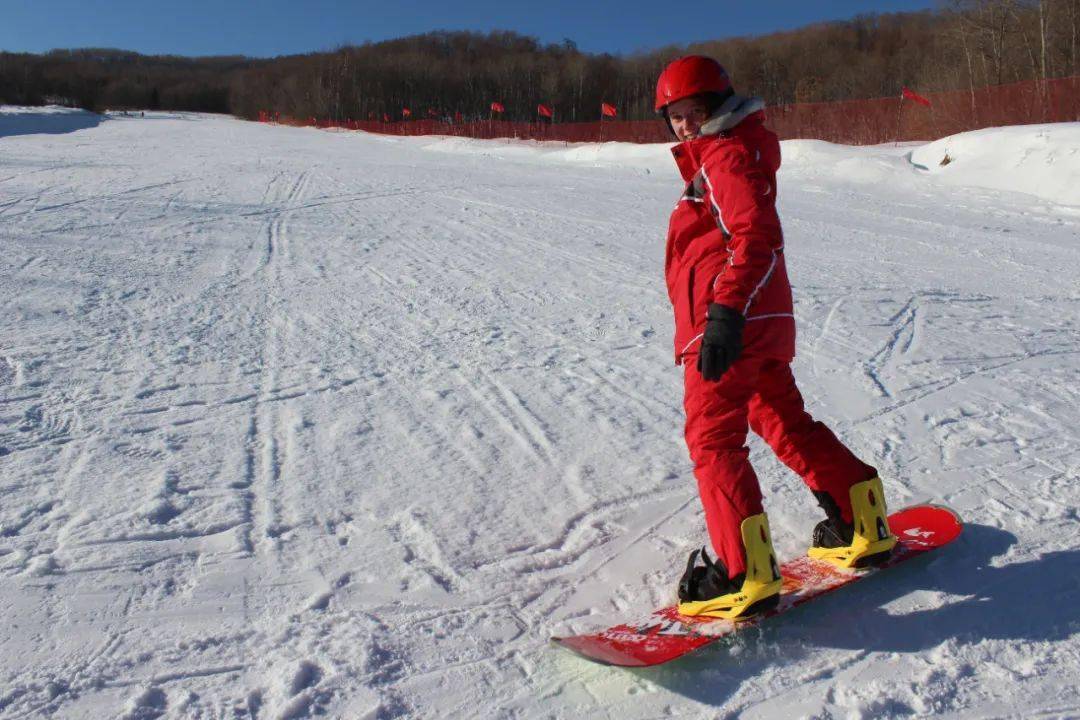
[866, 541]
[707, 591]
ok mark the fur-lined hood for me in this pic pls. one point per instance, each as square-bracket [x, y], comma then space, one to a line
[732, 112]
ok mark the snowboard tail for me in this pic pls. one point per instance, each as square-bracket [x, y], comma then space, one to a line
[665, 635]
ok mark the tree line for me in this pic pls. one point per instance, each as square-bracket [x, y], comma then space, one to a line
[963, 44]
[97, 79]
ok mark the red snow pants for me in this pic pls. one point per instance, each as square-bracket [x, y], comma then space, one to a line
[758, 393]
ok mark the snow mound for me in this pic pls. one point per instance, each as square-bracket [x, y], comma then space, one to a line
[1041, 160]
[48, 120]
[653, 156]
[846, 164]
[1038, 160]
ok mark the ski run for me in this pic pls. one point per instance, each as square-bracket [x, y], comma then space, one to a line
[297, 423]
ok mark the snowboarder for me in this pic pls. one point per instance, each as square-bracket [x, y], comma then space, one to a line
[735, 338]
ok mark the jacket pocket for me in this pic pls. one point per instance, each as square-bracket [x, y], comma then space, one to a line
[700, 288]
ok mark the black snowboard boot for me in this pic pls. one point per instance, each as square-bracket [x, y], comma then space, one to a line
[707, 582]
[841, 543]
[832, 532]
[708, 591]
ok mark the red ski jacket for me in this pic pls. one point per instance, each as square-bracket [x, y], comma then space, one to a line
[724, 240]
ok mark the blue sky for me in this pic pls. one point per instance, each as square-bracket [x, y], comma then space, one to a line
[277, 27]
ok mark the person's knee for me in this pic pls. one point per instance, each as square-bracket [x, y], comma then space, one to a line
[795, 429]
[718, 459]
[718, 439]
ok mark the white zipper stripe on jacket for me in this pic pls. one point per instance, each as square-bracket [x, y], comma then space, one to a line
[768, 274]
[698, 337]
[716, 205]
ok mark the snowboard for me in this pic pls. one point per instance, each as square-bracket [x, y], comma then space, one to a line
[665, 635]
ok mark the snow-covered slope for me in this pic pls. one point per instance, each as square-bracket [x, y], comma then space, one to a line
[298, 424]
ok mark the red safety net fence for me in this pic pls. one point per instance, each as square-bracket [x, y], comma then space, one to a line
[634, 131]
[883, 120]
[853, 122]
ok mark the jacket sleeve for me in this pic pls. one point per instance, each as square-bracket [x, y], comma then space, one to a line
[743, 200]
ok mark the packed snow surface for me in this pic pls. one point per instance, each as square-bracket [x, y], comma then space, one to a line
[298, 424]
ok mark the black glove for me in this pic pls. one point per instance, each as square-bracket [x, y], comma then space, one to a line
[722, 342]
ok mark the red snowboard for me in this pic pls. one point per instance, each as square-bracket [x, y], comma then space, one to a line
[666, 635]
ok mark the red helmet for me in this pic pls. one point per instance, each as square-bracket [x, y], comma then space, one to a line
[689, 76]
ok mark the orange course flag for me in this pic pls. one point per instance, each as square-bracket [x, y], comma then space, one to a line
[608, 110]
[544, 110]
[909, 94]
[497, 107]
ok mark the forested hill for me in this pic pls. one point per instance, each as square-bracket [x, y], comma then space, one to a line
[969, 43]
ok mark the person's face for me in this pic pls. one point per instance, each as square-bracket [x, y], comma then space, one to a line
[686, 117]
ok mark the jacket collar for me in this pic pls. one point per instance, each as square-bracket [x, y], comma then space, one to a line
[734, 110]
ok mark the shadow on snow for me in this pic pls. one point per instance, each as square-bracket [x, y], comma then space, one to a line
[34, 121]
[978, 602]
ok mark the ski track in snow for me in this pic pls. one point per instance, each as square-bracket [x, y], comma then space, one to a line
[298, 424]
